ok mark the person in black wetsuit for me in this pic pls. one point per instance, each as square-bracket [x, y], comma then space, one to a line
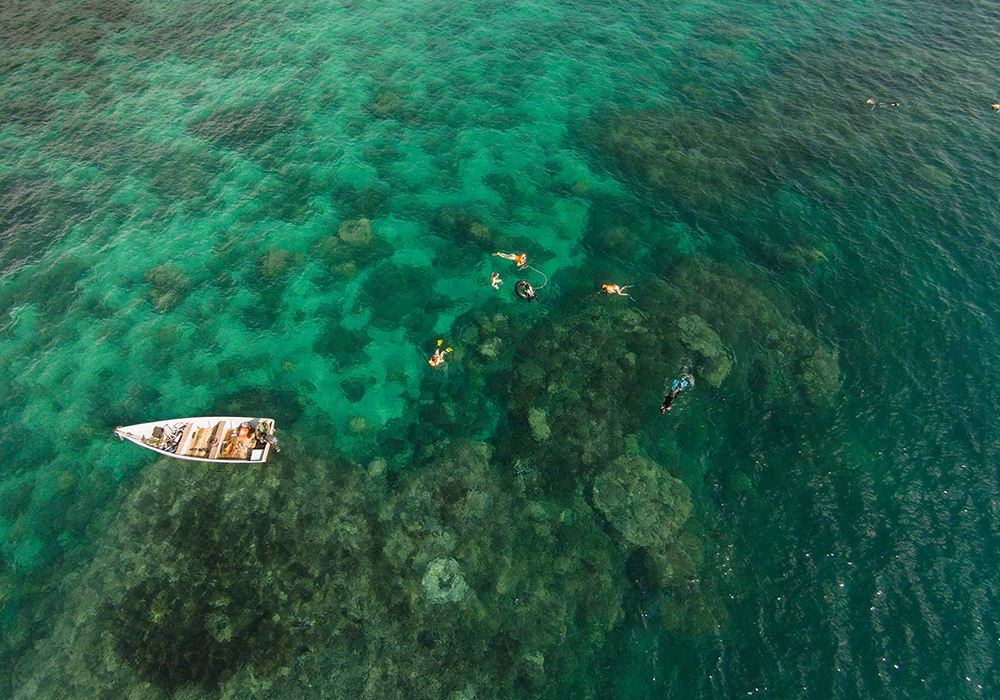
[679, 385]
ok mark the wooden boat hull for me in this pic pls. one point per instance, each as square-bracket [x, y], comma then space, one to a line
[216, 439]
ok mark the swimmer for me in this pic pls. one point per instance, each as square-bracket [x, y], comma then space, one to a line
[871, 102]
[438, 357]
[875, 104]
[525, 291]
[520, 259]
[617, 289]
[996, 107]
[676, 388]
[496, 281]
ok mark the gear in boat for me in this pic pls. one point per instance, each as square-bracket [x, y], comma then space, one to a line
[206, 439]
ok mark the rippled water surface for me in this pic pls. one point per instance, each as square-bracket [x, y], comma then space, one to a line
[277, 208]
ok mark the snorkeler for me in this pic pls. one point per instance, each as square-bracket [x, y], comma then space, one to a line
[679, 385]
[438, 357]
[617, 289]
[496, 281]
[875, 104]
[521, 287]
[525, 291]
[520, 259]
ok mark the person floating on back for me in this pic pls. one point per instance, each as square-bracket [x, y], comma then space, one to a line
[438, 357]
[679, 385]
[520, 259]
[617, 289]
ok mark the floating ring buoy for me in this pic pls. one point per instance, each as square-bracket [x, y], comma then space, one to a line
[524, 290]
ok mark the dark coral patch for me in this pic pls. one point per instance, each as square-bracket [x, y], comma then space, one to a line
[245, 127]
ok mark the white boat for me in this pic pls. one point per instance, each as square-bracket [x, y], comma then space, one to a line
[221, 439]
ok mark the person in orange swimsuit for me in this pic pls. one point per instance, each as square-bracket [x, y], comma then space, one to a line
[617, 289]
[520, 259]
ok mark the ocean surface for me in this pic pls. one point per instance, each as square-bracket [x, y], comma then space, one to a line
[277, 208]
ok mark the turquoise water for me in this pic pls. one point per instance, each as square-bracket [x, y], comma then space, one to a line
[277, 208]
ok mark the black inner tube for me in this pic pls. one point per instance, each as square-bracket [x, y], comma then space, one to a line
[524, 290]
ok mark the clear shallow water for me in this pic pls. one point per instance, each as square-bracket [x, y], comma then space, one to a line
[172, 182]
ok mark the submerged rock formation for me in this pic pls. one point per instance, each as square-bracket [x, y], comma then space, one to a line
[697, 336]
[301, 579]
[357, 232]
[642, 502]
[168, 287]
[443, 582]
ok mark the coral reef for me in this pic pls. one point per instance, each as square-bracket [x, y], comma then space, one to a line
[462, 226]
[356, 232]
[469, 237]
[168, 287]
[540, 429]
[650, 510]
[817, 372]
[303, 579]
[404, 296]
[354, 248]
[276, 263]
[697, 336]
[717, 306]
[819, 375]
[386, 104]
[345, 346]
[615, 240]
[576, 368]
[248, 126]
[695, 158]
[642, 501]
[443, 582]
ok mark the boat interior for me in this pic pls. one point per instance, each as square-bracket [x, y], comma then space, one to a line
[225, 440]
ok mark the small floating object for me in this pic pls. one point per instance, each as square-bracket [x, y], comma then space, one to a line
[525, 291]
[875, 104]
[219, 439]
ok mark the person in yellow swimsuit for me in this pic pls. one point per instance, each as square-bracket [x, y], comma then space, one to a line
[439, 353]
